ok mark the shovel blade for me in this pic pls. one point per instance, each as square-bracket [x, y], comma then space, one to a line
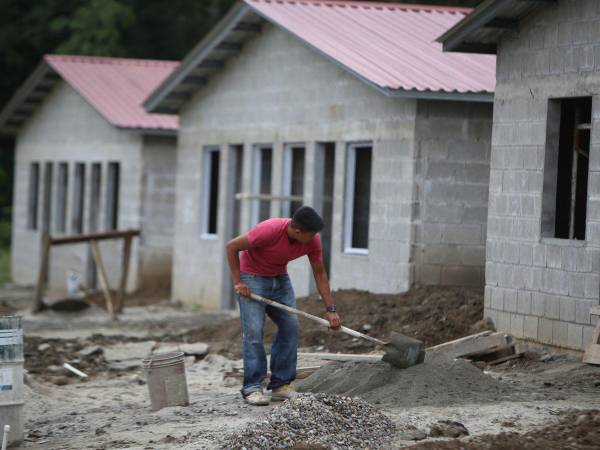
[403, 351]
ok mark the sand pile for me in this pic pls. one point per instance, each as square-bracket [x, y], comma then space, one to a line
[317, 421]
[438, 381]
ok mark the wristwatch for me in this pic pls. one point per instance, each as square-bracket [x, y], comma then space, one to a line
[331, 308]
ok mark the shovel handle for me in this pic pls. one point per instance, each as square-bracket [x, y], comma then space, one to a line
[320, 320]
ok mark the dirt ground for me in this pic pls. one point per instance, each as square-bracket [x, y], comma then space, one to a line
[433, 315]
[545, 400]
[572, 430]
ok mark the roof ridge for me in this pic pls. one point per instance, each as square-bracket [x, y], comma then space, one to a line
[110, 60]
[373, 5]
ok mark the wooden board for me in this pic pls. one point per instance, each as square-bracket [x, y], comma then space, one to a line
[476, 344]
[592, 354]
[506, 353]
[301, 372]
[362, 357]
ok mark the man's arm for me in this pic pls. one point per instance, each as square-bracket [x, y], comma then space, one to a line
[323, 287]
[233, 248]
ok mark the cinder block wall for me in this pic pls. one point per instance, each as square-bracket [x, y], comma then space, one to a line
[157, 211]
[536, 287]
[453, 141]
[66, 129]
[279, 91]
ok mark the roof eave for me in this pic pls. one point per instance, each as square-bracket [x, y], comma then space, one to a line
[32, 92]
[154, 102]
[151, 131]
[158, 101]
[456, 39]
[482, 97]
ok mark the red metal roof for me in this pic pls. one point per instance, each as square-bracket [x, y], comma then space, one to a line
[389, 44]
[117, 87]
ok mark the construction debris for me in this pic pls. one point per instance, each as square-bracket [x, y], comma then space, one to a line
[72, 369]
[491, 348]
[128, 355]
[317, 421]
[448, 428]
[592, 353]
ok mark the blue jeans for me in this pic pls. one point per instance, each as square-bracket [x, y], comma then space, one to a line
[284, 348]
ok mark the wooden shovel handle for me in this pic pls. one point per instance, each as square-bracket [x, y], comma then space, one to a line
[320, 320]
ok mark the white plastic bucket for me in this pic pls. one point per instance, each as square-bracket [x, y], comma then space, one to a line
[11, 376]
[165, 374]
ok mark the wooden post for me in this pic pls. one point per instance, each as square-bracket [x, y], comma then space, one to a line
[103, 278]
[124, 273]
[592, 353]
[43, 273]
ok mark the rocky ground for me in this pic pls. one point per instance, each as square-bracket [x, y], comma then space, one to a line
[544, 400]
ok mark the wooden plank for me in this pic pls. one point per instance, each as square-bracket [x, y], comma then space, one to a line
[459, 341]
[301, 372]
[42, 275]
[477, 344]
[592, 354]
[362, 357]
[94, 236]
[103, 278]
[305, 372]
[124, 272]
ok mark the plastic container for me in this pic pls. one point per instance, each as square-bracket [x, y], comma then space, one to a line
[11, 376]
[165, 374]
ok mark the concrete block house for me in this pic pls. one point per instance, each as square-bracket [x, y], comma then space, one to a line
[543, 238]
[89, 158]
[350, 107]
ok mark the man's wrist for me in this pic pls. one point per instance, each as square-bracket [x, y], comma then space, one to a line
[330, 308]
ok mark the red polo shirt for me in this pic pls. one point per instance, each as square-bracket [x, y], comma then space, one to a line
[271, 249]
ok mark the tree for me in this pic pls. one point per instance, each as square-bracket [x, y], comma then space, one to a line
[96, 29]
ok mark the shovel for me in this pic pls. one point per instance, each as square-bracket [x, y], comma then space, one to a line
[401, 351]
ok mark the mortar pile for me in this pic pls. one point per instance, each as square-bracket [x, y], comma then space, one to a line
[319, 421]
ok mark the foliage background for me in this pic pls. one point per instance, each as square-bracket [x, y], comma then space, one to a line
[157, 29]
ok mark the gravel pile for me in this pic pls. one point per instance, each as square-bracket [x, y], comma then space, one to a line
[317, 421]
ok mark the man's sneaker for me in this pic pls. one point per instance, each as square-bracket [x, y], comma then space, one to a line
[257, 398]
[285, 392]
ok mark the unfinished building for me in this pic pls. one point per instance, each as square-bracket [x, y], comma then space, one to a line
[543, 244]
[89, 158]
[351, 108]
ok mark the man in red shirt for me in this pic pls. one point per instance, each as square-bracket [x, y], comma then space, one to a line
[258, 262]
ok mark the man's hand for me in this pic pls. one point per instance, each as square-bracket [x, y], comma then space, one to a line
[334, 320]
[242, 289]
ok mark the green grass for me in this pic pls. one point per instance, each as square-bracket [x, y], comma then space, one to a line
[4, 265]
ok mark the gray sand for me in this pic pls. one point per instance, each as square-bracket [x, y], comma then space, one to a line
[438, 381]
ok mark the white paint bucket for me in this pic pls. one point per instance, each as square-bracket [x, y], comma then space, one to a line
[165, 374]
[11, 376]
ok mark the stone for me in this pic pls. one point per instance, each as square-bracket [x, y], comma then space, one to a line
[90, 350]
[43, 347]
[129, 350]
[448, 428]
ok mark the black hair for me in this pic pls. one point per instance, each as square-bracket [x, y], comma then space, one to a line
[307, 219]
